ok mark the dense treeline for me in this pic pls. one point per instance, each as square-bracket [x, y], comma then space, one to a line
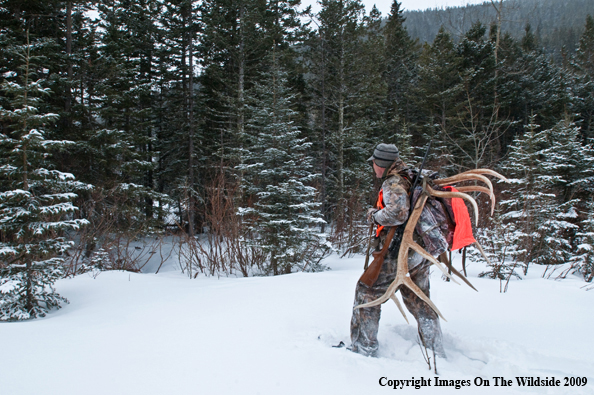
[557, 26]
[245, 126]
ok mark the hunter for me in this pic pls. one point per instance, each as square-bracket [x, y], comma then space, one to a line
[392, 209]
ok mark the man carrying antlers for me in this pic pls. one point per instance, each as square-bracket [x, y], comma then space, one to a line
[392, 210]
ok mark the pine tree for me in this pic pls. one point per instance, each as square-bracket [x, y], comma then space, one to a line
[474, 134]
[546, 166]
[122, 140]
[178, 112]
[583, 260]
[34, 199]
[498, 240]
[277, 175]
[437, 96]
[529, 201]
[343, 84]
[400, 70]
[584, 78]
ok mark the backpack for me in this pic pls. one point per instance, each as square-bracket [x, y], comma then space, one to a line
[437, 224]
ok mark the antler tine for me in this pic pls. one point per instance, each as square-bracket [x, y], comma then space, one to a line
[456, 272]
[406, 281]
[432, 259]
[458, 195]
[395, 299]
[476, 188]
[402, 277]
[486, 171]
[480, 248]
[465, 177]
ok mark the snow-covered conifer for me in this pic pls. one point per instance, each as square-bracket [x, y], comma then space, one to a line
[549, 168]
[584, 257]
[439, 86]
[569, 160]
[500, 246]
[568, 167]
[34, 200]
[583, 67]
[277, 176]
[529, 203]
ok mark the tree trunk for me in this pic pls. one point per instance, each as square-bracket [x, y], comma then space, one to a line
[340, 136]
[68, 101]
[191, 121]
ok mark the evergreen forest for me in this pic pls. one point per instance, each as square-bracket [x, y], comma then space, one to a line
[239, 130]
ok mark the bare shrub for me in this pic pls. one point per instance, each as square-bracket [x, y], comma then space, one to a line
[498, 241]
[350, 233]
[224, 250]
[115, 239]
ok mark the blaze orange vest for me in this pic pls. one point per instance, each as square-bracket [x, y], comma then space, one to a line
[380, 205]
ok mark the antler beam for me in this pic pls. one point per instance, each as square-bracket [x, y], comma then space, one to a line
[464, 196]
[476, 188]
[402, 275]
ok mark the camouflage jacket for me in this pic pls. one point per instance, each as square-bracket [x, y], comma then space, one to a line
[396, 201]
[397, 208]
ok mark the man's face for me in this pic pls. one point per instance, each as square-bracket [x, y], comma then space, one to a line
[379, 171]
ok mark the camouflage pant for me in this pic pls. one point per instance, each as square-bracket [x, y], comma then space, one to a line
[365, 322]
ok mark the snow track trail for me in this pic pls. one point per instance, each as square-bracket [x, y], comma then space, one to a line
[145, 334]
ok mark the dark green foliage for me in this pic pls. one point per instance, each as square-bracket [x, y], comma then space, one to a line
[35, 198]
[160, 98]
[401, 74]
[557, 25]
[342, 88]
[276, 174]
[438, 94]
[583, 68]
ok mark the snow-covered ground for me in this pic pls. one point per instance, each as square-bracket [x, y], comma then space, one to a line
[128, 333]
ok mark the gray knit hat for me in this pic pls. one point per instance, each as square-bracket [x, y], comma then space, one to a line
[384, 155]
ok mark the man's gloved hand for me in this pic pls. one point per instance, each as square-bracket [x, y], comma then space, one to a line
[370, 213]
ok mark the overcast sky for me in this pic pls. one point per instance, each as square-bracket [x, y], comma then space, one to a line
[407, 5]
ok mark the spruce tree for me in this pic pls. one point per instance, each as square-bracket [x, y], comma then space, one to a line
[35, 198]
[570, 161]
[232, 46]
[401, 69]
[527, 201]
[373, 121]
[499, 243]
[533, 84]
[584, 79]
[122, 141]
[178, 112]
[474, 134]
[546, 167]
[568, 167]
[437, 96]
[277, 175]
[583, 260]
[343, 83]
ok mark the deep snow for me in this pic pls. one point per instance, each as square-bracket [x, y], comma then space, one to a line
[126, 333]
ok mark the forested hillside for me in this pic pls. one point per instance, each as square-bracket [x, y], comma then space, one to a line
[556, 24]
[244, 129]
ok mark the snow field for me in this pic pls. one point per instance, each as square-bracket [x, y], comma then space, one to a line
[128, 333]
